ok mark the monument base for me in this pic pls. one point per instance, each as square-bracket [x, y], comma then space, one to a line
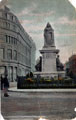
[49, 59]
[49, 75]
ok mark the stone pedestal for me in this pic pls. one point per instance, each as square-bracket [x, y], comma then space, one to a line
[49, 68]
[50, 74]
[49, 59]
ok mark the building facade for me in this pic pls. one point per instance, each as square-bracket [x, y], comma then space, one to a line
[71, 66]
[33, 52]
[17, 49]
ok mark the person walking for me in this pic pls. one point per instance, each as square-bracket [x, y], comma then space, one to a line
[6, 86]
[2, 82]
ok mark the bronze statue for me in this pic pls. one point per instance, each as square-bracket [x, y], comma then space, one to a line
[60, 66]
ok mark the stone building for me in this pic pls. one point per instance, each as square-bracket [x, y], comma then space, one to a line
[72, 64]
[17, 49]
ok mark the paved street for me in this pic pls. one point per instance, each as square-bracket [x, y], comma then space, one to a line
[31, 105]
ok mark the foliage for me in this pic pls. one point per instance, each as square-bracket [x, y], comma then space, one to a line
[32, 82]
[60, 78]
[30, 79]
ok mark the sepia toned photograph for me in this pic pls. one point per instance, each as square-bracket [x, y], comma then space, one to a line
[38, 59]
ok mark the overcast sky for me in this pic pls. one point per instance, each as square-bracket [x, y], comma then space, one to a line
[34, 15]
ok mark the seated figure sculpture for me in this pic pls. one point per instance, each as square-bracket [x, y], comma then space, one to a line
[60, 66]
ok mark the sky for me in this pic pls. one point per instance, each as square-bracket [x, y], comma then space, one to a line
[35, 14]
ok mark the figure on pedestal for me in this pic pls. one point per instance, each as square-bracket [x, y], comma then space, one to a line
[60, 66]
[48, 36]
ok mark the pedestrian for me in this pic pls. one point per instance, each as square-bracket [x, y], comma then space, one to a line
[6, 86]
[2, 82]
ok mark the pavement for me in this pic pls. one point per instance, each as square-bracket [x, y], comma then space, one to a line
[14, 89]
[34, 118]
[30, 104]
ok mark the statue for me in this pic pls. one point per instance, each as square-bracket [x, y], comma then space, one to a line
[60, 66]
[48, 36]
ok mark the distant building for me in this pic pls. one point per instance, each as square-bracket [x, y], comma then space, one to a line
[67, 67]
[71, 66]
[17, 49]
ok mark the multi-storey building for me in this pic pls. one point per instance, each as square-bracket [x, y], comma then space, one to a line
[17, 49]
[72, 64]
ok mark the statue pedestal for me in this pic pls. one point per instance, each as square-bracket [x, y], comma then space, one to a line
[46, 74]
[50, 74]
[49, 59]
[49, 63]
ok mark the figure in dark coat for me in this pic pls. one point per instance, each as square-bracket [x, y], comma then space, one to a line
[59, 65]
[6, 86]
[2, 82]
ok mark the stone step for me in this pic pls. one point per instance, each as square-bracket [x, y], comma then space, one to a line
[32, 118]
[22, 117]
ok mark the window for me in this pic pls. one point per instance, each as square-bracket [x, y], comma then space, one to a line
[9, 54]
[5, 15]
[14, 27]
[2, 53]
[11, 17]
[15, 73]
[6, 39]
[10, 73]
[8, 25]
[15, 55]
[11, 40]
[14, 40]
[4, 24]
